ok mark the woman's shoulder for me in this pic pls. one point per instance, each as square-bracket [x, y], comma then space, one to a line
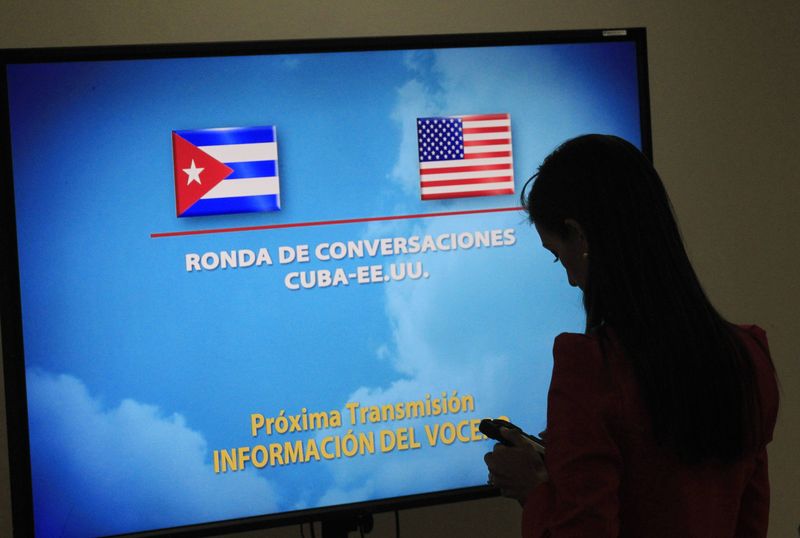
[568, 342]
[755, 342]
[593, 336]
[581, 346]
[585, 355]
[755, 332]
[587, 373]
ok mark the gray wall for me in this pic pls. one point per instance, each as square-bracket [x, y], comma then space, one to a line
[725, 99]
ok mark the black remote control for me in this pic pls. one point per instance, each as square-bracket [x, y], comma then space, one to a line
[490, 427]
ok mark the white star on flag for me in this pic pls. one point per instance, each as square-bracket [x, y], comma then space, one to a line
[193, 173]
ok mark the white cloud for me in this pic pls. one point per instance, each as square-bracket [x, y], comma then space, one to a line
[290, 62]
[103, 470]
[414, 101]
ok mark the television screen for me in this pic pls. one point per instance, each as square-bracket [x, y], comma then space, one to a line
[266, 282]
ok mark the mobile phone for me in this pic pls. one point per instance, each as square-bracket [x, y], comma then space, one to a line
[490, 427]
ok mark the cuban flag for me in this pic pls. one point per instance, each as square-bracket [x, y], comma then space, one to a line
[224, 171]
[464, 156]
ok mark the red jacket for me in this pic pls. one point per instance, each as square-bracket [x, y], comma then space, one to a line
[607, 476]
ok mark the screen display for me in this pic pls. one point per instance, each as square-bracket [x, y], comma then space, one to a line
[257, 285]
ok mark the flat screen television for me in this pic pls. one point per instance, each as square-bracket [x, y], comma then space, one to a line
[253, 284]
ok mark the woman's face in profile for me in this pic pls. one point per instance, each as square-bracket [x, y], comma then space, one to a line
[572, 251]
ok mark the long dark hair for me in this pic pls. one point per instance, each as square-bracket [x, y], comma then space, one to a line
[695, 376]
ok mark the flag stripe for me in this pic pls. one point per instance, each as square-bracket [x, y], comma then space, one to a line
[501, 142]
[253, 169]
[247, 204]
[237, 153]
[484, 130]
[476, 181]
[465, 194]
[462, 168]
[252, 186]
[448, 195]
[493, 123]
[482, 117]
[482, 149]
[488, 155]
[468, 188]
[486, 137]
[462, 163]
[470, 175]
[227, 136]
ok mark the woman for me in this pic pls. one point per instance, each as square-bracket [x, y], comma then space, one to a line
[659, 415]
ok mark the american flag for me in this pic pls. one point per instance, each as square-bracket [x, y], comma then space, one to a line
[463, 156]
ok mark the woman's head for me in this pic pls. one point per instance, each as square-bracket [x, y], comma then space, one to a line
[601, 208]
[599, 205]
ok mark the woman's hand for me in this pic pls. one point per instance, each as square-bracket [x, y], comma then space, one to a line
[516, 470]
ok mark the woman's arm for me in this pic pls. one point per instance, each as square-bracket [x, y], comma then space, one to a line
[583, 461]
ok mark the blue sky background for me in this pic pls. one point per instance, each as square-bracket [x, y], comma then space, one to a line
[137, 370]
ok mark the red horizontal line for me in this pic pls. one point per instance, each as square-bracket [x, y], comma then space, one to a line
[478, 130]
[471, 181]
[465, 168]
[487, 155]
[334, 222]
[469, 194]
[484, 117]
[493, 142]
